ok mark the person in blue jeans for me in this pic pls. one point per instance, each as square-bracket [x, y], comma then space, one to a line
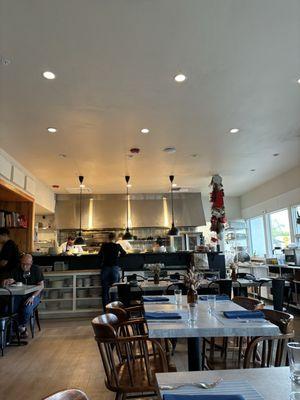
[109, 255]
[28, 274]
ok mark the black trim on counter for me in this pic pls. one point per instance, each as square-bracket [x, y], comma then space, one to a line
[130, 262]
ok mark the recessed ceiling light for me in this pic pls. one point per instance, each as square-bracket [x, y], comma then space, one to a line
[169, 150]
[298, 80]
[252, 170]
[51, 130]
[234, 130]
[194, 155]
[145, 130]
[275, 154]
[180, 78]
[49, 75]
[62, 155]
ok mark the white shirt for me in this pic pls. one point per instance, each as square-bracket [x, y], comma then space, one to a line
[125, 244]
[72, 249]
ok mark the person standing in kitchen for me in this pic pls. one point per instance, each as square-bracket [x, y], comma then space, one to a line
[124, 243]
[109, 254]
[9, 254]
[69, 247]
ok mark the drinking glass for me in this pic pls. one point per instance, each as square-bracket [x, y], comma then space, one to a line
[295, 396]
[211, 303]
[193, 312]
[294, 360]
[26, 275]
[178, 296]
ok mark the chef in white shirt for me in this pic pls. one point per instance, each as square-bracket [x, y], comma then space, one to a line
[124, 243]
[69, 247]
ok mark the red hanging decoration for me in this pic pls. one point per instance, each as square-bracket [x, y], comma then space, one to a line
[218, 218]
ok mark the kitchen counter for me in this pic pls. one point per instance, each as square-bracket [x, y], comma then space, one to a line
[129, 262]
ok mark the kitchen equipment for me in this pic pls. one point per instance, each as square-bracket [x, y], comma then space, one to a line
[60, 266]
[292, 256]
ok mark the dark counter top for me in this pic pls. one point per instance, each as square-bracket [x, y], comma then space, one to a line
[131, 261]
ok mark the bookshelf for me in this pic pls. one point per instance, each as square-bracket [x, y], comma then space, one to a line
[18, 208]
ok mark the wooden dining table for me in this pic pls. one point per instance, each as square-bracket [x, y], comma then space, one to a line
[268, 383]
[205, 325]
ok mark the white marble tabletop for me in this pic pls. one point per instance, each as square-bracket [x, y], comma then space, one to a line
[206, 325]
[19, 290]
[271, 383]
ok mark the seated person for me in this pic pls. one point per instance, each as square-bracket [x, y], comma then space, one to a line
[24, 305]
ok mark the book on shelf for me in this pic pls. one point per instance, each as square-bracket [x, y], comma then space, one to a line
[11, 219]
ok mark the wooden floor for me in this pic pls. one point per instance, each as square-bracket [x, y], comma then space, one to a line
[63, 355]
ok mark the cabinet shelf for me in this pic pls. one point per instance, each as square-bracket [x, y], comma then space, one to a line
[88, 298]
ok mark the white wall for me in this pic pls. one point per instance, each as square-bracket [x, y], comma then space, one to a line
[280, 192]
[232, 207]
[14, 173]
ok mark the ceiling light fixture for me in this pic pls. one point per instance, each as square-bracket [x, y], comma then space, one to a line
[169, 150]
[145, 130]
[129, 185]
[180, 78]
[49, 75]
[174, 185]
[275, 154]
[298, 81]
[127, 235]
[79, 241]
[252, 170]
[51, 130]
[234, 130]
[173, 231]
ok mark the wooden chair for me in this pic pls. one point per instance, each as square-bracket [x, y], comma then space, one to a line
[70, 394]
[34, 318]
[249, 303]
[130, 363]
[176, 285]
[129, 295]
[124, 313]
[270, 351]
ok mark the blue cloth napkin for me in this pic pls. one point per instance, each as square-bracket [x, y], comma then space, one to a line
[162, 315]
[203, 397]
[154, 298]
[219, 297]
[244, 314]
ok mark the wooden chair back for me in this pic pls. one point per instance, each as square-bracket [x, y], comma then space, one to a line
[249, 303]
[70, 394]
[176, 285]
[270, 351]
[130, 362]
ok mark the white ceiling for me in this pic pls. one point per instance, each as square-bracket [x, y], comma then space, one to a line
[115, 61]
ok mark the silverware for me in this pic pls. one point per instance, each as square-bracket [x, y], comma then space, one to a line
[201, 385]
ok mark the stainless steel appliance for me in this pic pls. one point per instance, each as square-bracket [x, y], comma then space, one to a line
[292, 256]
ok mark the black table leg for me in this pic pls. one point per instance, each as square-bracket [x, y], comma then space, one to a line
[194, 354]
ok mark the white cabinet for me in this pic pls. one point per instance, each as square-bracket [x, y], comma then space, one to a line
[70, 293]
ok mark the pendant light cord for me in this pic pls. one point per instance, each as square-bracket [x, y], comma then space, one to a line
[172, 204]
[80, 210]
[127, 207]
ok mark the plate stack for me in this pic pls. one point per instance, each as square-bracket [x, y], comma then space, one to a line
[95, 280]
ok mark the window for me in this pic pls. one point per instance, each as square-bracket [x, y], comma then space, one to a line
[257, 236]
[280, 229]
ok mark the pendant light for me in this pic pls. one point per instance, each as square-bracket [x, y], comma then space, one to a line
[79, 241]
[173, 231]
[127, 235]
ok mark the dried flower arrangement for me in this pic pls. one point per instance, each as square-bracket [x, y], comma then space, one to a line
[192, 279]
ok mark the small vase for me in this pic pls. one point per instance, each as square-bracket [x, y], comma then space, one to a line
[192, 296]
[156, 279]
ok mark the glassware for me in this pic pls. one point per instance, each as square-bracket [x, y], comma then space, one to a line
[178, 296]
[192, 296]
[193, 312]
[295, 396]
[26, 275]
[294, 361]
[211, 303]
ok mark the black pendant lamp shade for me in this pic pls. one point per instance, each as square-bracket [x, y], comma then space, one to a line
[127, 235]
[79, 241]
[173, 231]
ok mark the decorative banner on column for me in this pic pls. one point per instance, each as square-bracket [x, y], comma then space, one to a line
[218, 218]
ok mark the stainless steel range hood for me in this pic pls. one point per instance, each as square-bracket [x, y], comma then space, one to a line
[146, 210]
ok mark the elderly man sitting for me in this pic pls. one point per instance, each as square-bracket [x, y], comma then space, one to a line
[28, 274]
